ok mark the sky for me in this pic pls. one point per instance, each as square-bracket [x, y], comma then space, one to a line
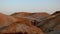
[11, 6]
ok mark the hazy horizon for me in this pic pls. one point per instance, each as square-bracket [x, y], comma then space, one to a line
[11, 6]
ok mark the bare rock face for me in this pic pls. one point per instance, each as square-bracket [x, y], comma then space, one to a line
[30, 23]
[57, 12]
[57, 27]
[52, 23]
[54, 32]
[21, 14]
[39, 17]
[33, 17]
[25, 17]
[17, 26]
[6, 20]
[21, 28]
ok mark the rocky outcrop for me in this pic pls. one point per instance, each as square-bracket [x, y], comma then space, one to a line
[51, 23]
[29, 23]
[10, 24]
